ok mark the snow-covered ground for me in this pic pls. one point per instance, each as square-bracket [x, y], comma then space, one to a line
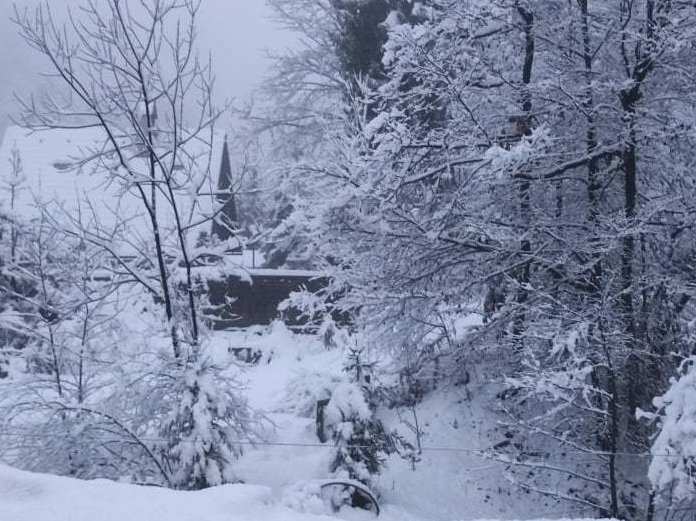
[37, 497]
[449, 482]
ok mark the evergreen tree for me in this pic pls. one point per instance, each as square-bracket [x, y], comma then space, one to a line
[207, 422]
[361, 442]
[672, 470]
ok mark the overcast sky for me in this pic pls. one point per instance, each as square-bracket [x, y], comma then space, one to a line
[236, 32]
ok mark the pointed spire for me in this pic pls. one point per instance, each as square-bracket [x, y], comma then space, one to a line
[225, 179]
[226, 219]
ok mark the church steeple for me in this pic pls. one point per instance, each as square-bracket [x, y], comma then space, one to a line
[226, 219]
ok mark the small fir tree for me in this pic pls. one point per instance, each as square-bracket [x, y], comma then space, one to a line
[360, 439]
[672, 470]
[208, 422]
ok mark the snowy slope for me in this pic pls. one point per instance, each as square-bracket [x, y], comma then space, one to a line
[55, 176]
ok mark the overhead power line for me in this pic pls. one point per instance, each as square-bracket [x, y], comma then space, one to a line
[484, 453]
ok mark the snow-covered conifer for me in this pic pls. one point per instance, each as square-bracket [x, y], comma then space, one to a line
[361, 441]
[673, 466]
[206, 428]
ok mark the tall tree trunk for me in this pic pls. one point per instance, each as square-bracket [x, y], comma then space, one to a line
[610, 433]
[525, 129]
[159, 250]
[644, 52]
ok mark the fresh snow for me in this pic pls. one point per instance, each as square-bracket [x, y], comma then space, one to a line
[296, 370]
[61, 172]
[35, 497]
[674, 449]
[281, 475]
[26, 496]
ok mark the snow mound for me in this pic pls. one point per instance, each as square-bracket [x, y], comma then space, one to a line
[26, 496]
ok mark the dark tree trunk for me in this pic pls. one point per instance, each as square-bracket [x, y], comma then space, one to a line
[525, 129]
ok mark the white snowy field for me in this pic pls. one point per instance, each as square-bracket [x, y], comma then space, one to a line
[25, 496]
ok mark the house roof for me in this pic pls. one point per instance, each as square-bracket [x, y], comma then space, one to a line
[67, 174]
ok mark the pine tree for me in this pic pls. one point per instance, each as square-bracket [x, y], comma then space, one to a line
[208, 422]
[672, 470]
[361, 441]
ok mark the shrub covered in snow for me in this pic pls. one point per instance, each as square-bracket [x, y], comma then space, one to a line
[207, 423]
[360, 438]
[673, 466]
[305, 497]
[305, 390]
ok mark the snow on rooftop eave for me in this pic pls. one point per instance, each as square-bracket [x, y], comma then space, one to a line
[47, 156]
[280, 272]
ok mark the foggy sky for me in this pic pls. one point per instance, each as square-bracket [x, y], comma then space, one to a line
[236, 32]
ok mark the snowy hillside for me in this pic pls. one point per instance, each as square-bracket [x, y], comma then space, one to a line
[34, 497]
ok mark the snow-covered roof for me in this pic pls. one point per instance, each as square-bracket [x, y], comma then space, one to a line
[53, 174]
